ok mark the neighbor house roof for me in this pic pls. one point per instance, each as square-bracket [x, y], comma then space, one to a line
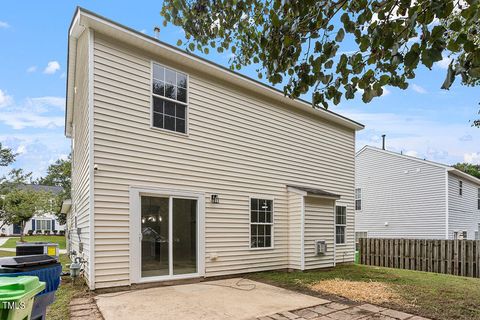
[87, 19]
[450, 169]
[309, 191]
[40, 187]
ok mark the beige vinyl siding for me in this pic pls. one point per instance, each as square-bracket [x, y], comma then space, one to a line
[295, 208]
[80, 156]
[407, 194]
[319, 225]
[463, 212]
[237, 146]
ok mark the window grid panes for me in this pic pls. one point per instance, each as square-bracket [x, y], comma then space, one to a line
[358, 199]
[261, 223]
[340, 224]
[43, 224]
[460, 187]
[169, 90]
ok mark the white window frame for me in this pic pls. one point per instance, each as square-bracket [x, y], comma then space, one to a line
[341, 225]
[460, 188]
[37, 221]
[358, 197]
[186, 104]
[271, 224]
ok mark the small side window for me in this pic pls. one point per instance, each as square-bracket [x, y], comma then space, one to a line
[358, 199]
[340, 224]
[460, 187]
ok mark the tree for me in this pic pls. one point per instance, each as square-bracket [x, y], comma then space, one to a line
[59, 174]
[471, 169]
[307, 45]
[7, 157]
[21, 204]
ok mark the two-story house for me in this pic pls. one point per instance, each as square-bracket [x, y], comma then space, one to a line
[399, 196]
[185, 169]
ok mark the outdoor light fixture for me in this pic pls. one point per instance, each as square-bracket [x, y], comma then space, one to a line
[215, 198]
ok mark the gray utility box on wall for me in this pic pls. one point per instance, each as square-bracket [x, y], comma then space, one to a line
[320, 247]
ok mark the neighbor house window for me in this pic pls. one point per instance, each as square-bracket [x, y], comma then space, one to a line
[169, 90]
[340, 224]
[43, 224]
[358, 199]
[464, 235]
[478, 200]
[460, 187]
[455, 235]
[261, 223]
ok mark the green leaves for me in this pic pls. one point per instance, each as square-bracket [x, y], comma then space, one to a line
[297, 42]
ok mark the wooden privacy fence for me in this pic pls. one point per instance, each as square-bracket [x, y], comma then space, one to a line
[457, 257]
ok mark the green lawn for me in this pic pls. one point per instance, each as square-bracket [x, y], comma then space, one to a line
[11, 243]
[430, 295]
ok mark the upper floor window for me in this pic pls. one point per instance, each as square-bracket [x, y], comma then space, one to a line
[261, 223]
[340, 224]
[460, 187]
[169, 90]
[358, 199]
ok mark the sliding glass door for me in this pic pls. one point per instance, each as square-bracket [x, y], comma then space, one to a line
[169, 236]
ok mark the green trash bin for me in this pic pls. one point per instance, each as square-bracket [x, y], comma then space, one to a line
[17, 295]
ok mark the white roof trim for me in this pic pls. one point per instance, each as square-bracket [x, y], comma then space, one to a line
[88, 19]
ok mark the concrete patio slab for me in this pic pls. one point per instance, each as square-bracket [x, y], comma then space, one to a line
[230, 299]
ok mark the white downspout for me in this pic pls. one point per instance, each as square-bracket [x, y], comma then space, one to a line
[446, 205]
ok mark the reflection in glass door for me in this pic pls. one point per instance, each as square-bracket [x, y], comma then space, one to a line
[155, 236]
[184, 236]
[169, 236]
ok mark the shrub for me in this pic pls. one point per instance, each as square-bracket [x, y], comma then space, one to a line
[38, 231]
[46, 232]
[55, 232]
[30, 232]
[62, 232]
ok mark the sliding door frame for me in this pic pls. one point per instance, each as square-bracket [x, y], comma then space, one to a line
[135, 245]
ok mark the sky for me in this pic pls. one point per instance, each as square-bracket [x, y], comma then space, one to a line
[422, 121]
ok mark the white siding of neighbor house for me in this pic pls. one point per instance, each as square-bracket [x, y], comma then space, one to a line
[408, 194]
[319, 225]
[80, 156]
[295, 208]
[239, 145]
[463, 209]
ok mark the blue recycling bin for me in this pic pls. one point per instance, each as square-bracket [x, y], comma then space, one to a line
[46, 268]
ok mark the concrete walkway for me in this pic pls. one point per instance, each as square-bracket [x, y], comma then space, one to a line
[340, 311]
[233, 299]
[2, 241]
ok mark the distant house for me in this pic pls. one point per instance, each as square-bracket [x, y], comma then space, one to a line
[40, 222]
[399, 196]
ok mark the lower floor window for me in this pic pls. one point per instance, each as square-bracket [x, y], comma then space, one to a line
[340, 224]
[43, 224]
[261, 223]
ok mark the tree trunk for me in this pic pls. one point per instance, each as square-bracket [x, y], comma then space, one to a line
[22, 226]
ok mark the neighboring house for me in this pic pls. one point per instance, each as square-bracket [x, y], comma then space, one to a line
[40, 222]
[398, 196]
[185, 169]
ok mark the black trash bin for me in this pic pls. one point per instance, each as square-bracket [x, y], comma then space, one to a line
[46, 268]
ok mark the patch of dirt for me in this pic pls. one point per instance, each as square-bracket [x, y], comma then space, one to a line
[371, 292]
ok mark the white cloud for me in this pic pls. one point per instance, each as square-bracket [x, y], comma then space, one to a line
[5, 99]
[52, 67]
[418, 89]
[473, 157]
[32, 69]
[22, 149]
[4, 25]
[444, 63]
[466, 137]
[40, 112]
[386, 92]
[411, 153]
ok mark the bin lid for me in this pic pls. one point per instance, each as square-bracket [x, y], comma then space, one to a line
[26, 261]
[15, 288]
[35, 244]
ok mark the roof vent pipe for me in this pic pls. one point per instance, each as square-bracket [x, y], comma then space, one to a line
[383, 142]
[156, 31]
